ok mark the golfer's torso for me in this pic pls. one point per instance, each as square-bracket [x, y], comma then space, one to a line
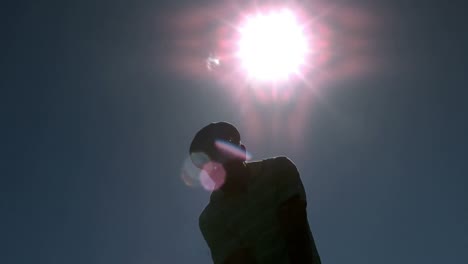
[251, 218]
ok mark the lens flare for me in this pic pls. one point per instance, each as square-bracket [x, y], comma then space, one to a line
[232, 150]
[198, 170]
[190, 174]
[199, 159]
[212, 176]
[212, 62]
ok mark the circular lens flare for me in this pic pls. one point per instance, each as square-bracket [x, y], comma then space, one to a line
[212, 176]
[190, 174]
[272, 46]
[208, 174]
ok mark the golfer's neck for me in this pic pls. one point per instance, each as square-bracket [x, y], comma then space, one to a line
[236, 177]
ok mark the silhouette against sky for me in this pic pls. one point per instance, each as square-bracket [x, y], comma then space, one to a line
[100, 100]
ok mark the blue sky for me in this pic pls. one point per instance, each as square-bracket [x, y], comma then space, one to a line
[97, 127]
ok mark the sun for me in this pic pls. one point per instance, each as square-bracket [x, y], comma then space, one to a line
[272, 46]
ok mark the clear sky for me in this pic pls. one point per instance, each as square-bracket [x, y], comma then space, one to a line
[96, 123]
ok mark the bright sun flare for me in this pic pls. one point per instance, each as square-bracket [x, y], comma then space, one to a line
[272, 46]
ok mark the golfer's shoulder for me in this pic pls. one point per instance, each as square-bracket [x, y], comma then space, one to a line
[283, 161]
[283, 164]
[275, 170]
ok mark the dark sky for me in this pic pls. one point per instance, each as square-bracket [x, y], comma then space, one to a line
[96, 127]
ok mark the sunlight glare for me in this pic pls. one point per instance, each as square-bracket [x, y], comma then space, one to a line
[272, 46]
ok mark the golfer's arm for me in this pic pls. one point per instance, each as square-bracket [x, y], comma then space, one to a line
[295, 230]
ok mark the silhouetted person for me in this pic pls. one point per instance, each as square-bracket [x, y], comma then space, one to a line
[257, 212]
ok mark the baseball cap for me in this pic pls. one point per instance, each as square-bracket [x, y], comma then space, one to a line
[203, 147]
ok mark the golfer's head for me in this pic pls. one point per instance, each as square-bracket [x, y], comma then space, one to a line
[217, 142]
